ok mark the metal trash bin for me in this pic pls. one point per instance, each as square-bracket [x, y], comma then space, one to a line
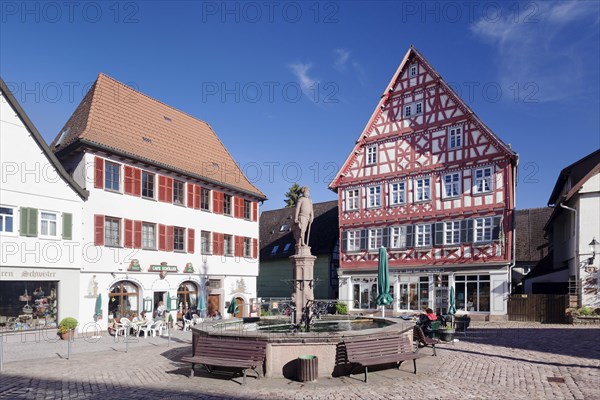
[308, 368]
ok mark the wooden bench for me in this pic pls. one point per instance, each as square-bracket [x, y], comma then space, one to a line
[227, 352]
[420, 338]
[380, 350]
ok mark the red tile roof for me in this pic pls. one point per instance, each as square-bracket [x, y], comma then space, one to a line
[115, 117]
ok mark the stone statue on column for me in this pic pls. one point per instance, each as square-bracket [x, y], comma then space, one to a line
[303, 219]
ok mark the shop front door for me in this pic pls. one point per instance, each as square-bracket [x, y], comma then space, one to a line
[240, 305]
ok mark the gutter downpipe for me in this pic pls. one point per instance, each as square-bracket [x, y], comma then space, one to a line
[579, 294]
[512, 263]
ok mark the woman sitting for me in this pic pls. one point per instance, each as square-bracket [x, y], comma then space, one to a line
[425, 321]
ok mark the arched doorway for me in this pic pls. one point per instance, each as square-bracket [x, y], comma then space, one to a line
[123, 300]
[187, 297]
[240, 305]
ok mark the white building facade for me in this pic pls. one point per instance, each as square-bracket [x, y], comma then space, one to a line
[168, 209]
[40, 227]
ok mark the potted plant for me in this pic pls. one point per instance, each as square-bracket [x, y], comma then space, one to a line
[341, 308]
[66, 325]
[446, 333]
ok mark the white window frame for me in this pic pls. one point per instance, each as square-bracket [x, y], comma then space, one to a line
[411, 68]
[208, 202]
[248, 247]
[398, 194]
[453, 185]
[118, 166]
[374, 196]
[230, 203]
[353, 241]
[183, 185]
[479, 182]
[398, 237]
[452, 231]
[422, 189]
[153, 185]
[375, 238]
[14, 216]
[483, 229]
[56, 222]
[206, 242]
[372, 154]
[352, 199]
[423, 235]
[455, 137]
[148, 242]
[183, 241]
[228, 245]
[119, 234]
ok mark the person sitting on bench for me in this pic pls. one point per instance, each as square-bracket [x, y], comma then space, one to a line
[425, 321]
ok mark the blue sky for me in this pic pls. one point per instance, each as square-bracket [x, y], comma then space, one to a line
[288, 86]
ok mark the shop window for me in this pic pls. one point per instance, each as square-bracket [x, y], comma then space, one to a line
[473, 292]
[28, 305]
[123, 300]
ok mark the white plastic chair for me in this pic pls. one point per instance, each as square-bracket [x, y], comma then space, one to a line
[196, 319]
[156, 328]
[187, 324]
[123, 327]
[146, 328]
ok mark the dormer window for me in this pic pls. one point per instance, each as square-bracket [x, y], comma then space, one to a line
[283, 227]
[275, 249]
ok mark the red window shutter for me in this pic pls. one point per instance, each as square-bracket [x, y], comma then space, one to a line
[137, 234]
[239, 205]
[128, 180]
[162, 189]
[238, 246]
[217, 202]
[137, 182]
[254, 248]
[254, 211]
[128, 242]
[170, 237]
[218, 243]
[197, 190]
[99, 173]
[169, 185]
[162, 237]
[99, 230]
[191, 238]
[190, 195]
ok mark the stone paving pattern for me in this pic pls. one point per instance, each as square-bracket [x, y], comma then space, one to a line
[509, 360]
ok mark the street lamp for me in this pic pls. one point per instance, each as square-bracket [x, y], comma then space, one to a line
[594, 248]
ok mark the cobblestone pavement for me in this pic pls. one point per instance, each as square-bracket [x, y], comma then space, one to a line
[492, 361]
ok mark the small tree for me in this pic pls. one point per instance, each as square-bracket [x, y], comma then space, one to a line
[292, 196]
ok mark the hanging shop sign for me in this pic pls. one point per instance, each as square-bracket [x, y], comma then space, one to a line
[189, 268]
[134, 265]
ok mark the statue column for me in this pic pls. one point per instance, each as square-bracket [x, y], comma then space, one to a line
[303, 264]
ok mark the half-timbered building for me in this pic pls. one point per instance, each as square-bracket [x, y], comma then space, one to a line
[169, 213]
[431, 182]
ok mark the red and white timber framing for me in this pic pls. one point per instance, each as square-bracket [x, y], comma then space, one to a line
[410, 134]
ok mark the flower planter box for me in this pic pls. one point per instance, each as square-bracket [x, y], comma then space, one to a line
[446, 335]
[580, 320]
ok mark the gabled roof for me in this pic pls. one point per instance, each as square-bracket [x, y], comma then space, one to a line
[276, 230]
[115, 118]
[531, 246]
[37, 137]
[409, 57]
[578, 172]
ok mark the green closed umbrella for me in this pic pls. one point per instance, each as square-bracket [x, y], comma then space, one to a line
[202, 308]
[233, 308]
[383, 281]
[98, 311]
[452, 309]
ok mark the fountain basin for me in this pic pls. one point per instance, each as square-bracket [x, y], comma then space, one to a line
[284, 348]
